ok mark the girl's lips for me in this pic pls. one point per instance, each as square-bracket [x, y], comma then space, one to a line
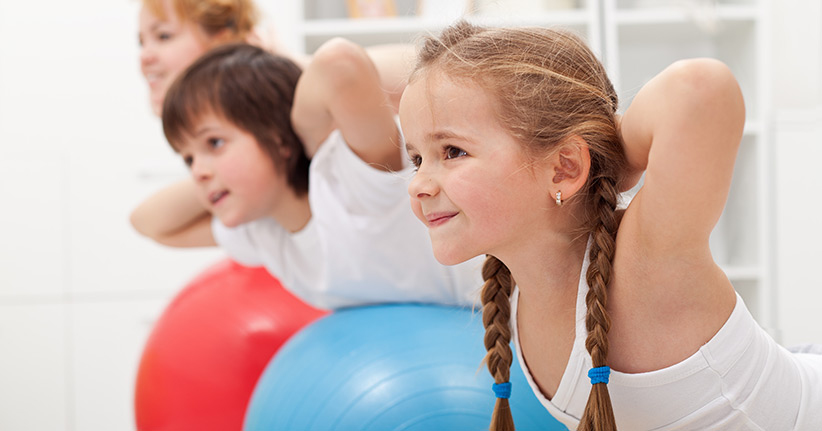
[439, 218]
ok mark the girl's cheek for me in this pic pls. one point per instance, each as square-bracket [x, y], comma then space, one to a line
[417, 209]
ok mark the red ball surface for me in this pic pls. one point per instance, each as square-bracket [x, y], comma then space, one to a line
[205, 353]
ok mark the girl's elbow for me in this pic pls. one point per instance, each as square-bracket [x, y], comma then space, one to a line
[708, 87]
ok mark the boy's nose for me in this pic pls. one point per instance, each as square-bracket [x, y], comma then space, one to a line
[200, 170]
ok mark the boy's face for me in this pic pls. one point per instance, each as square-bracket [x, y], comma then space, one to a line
[237, 180]
[168, 46]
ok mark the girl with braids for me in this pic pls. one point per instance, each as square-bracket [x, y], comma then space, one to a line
[336, 231]
[620, 318]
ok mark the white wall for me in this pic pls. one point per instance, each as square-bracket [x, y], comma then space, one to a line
[797, 87]
[79, 148]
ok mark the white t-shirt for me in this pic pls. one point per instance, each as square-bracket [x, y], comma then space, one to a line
[363, 244]
[741, 380]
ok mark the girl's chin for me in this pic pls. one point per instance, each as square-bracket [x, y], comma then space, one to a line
[450, 258]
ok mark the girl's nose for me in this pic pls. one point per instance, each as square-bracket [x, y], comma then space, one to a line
[422, 186]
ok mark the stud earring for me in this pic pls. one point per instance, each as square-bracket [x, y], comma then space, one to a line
[559, 198]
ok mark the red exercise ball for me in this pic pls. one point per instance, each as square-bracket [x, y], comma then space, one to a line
[205, 353]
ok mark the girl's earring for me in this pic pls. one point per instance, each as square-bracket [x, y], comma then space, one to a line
[559, 199]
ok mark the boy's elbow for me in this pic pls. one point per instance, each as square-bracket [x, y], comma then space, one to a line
[342, 61]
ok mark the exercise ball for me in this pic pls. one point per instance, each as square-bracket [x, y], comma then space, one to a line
[387, 367]
[206, 351]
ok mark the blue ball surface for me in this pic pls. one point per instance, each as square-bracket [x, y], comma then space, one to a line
[387, 367]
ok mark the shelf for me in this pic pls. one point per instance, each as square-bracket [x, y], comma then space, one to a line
[361, 26]
[752, 128]
[571, 18]
[674, 15]
[348, 27]
[742, 273]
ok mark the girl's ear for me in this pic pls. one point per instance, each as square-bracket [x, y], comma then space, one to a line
[571, 165]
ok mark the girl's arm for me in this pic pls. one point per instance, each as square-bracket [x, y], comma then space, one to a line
[174, 217]
[341, 89]
[683, 129]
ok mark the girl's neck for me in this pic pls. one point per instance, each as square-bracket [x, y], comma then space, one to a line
[550, 266]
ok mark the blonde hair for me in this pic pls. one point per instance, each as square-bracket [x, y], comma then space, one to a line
[213, 16]
[547, 86]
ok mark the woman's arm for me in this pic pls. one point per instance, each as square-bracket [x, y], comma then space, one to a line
[341, 89]
[683, 129]
[174, 217]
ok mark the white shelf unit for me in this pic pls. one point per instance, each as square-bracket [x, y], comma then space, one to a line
[641, 38]
[636, 39]
[320, 20]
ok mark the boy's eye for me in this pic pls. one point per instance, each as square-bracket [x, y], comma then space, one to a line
[215, 142]
[164, 35]
[188, 160]
[454, 152]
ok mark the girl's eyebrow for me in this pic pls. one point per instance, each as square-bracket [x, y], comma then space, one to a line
[437, 136]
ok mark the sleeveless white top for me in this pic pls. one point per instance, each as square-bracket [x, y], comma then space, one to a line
[740, 380]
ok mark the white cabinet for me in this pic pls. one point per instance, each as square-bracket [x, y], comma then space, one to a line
[641, 38]
[319, 20]
[635, 39]
[107, 341]
[34, 387]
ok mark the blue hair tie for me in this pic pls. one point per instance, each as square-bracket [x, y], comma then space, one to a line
[503, 390]
[599, 375]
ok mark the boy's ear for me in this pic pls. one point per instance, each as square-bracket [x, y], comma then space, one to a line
[571, 164]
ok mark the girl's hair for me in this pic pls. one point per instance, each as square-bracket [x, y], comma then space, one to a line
[250, 88]
[547, 86]
[213, 16]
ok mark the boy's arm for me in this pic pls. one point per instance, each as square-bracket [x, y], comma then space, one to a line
[174, 217]
[683, 129]
[341, 89]
[394, 62]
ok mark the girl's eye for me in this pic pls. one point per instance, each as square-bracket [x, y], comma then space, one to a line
[164, 35]
[416, 160]
[215, 142]
[188, 160]
[454, 152]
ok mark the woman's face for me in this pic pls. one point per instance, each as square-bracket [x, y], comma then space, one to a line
[168, 46]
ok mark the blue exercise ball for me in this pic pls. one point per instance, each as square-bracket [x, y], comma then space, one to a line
[387, 367]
